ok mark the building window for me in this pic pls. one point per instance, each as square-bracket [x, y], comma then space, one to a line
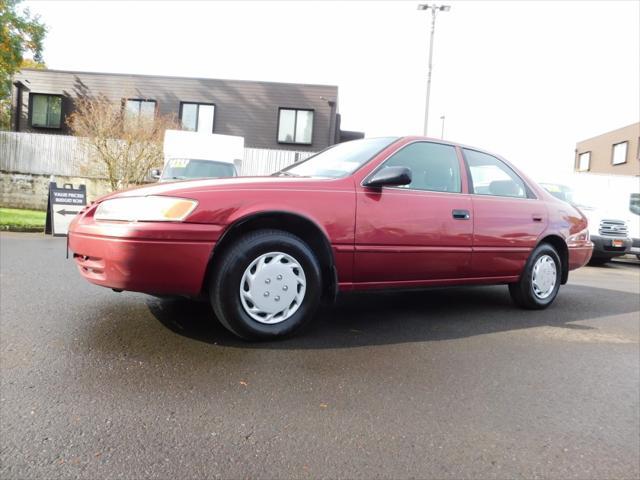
[136, 109]
[197, 117]
[584, 162]
[46, 110]
[295, 126]
[619, 155]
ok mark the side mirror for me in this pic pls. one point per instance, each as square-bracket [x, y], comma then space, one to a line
[390, 176]
[155, 173]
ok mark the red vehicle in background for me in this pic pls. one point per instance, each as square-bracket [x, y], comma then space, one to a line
[375, 213]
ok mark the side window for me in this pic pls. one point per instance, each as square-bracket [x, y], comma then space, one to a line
[434, 167]
[46, 110]
[491, 176]
[584, 160]
[619, 154]
[136, 110]
[197, 117]
[295, 126]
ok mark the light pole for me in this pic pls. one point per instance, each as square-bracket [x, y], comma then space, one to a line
[434, 9]
[442, 131]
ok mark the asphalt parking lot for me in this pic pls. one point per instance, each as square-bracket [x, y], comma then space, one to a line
[448, 383]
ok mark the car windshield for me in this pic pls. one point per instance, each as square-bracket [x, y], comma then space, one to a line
[561, 192]
[583, 198]
[593, 198]
[339, 160]
[185, 168]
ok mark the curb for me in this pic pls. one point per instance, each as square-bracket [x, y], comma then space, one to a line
[20, 228]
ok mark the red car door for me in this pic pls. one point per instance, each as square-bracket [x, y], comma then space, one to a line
[508, 218]
[413, 234]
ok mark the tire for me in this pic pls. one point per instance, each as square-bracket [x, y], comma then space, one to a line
[264, 268]
[525, 292]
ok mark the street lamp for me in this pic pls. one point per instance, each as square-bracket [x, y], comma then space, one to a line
[434, 9]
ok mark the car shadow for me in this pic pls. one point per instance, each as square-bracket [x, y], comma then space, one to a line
[618, 263]
[398, 317]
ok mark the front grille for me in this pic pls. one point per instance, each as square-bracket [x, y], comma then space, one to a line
[613, 228]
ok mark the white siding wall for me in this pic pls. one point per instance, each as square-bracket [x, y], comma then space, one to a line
[65, 155]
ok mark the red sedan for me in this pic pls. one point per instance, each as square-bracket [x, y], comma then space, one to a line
[377, 213]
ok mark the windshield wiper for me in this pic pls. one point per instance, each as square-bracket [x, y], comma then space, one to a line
[284, 174]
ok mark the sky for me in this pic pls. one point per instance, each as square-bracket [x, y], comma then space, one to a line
[526, 80]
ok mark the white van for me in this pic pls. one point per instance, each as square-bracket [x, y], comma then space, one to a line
[634, 224]
[191, 155]
[611, 205]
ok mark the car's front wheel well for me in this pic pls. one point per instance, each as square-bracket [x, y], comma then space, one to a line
[298, 225]
[560, 246]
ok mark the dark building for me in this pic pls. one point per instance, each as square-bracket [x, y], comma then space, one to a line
[267, 114]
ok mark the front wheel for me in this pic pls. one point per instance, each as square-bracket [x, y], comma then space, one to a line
[540, 280]
[267, 285]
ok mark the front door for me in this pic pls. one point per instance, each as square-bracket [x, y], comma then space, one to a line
[420, 232]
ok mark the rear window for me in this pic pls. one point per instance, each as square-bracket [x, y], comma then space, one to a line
[491, 176]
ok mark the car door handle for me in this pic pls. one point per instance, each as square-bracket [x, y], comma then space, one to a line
[536, 217]
[461, 214]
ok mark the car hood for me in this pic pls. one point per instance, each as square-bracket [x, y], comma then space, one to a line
[186, 187]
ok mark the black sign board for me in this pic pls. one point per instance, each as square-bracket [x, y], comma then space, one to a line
[64, 204]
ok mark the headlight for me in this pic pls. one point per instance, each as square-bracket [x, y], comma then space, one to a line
[145, 209]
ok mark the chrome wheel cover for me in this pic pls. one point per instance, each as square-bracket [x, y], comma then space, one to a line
[272, 288]
[544, 277]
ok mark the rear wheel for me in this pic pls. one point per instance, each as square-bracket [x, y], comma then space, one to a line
[267, 285]
[540, 281]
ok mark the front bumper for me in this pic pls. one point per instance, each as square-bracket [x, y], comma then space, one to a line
[635, 246]
[146, 257]
[603, 246]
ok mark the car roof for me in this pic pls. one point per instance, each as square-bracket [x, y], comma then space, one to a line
[449, 142]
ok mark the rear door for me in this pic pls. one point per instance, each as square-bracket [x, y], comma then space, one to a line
[508, 218]
[416, 233]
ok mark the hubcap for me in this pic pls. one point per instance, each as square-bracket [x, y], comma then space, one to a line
[272, 287]
[544, 276]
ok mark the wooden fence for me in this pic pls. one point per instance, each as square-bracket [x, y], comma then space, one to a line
[261, 161]
[65, 155]
[43, 154]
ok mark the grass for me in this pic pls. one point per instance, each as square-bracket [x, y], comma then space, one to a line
[18, 220]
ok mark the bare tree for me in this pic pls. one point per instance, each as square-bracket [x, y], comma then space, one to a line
[124, 146]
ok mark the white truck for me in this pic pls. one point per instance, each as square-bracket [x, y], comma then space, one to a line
[634, 226]
[611, 204]
[191, 155]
